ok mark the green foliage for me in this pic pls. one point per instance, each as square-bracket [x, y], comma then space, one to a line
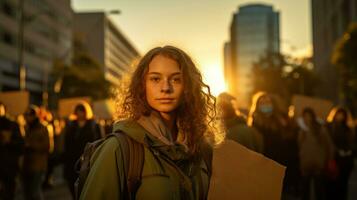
[280, 74]
[344, 58]
[267, 74]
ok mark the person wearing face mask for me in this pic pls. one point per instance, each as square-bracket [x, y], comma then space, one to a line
[265, 117]
[279, 139]
[343, 137]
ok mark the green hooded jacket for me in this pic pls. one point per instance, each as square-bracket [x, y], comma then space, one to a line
[168, 171]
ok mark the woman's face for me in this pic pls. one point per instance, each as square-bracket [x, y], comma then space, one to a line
[340, 116]
[164, 84]
[265, 105]
[308, 118]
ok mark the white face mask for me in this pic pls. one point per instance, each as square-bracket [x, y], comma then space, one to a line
[266, 109]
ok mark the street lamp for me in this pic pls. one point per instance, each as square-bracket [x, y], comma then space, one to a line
[22, 69]
[21, 29]
[114, 12]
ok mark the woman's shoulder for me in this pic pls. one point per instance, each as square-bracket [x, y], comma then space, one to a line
[107, 149]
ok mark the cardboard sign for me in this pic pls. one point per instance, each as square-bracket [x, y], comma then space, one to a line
[238, 173]
[104, 109]
[321, 107]
[66, 106]
[16, 102]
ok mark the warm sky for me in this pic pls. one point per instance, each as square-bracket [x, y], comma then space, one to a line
[200, 27]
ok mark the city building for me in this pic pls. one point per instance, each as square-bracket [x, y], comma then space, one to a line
[42, 35]
[330, 19]
[105, 43]
[254, 31]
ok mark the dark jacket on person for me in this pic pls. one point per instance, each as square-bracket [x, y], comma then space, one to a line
[271, 131]
[238, 131]
[10, 152]
[76, 138]
[36, 147]
[343, 138]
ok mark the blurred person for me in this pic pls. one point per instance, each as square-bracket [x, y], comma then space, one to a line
[78, 133]
[266, 118]
[53, 160]
[315, 151]
[236, 126]
[11, 148]
[169, 111]
[343, 137]
[36, 154]
[279, 139]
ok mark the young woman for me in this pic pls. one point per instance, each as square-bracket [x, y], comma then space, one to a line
[170, 111]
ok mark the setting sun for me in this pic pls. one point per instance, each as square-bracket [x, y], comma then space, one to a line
[213, 76]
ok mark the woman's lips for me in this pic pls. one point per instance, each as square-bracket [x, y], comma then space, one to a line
[165, 100]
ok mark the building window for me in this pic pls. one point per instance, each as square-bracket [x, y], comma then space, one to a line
[345, 14]
[7, 38]
[7, 9]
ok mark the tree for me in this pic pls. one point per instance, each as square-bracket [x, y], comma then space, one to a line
[344, 58]
[268, 74]
[301, 79]
[285, 76]
[84, 77]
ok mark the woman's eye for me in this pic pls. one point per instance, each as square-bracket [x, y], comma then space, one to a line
[176, 80]
[155, 79]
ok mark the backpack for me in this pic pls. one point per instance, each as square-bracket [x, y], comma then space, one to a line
[133, 155]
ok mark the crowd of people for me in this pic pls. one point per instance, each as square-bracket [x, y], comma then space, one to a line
[170, 118]
[34, 143]
[319, 154]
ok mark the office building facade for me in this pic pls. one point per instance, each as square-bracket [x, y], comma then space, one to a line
[330, 19]
[46, 36]
[106, 44]
[254, 31]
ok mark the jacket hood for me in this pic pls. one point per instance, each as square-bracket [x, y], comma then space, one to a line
[132, 129]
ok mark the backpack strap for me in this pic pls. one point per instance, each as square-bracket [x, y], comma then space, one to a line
[206, 156]
[134, 157]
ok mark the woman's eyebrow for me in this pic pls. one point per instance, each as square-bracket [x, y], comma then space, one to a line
[158, 73]
[155, 73]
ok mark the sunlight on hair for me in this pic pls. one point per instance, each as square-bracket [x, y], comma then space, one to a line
[2, 110]
[119, 97]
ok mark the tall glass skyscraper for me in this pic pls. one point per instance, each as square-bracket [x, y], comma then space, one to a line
[254, 32]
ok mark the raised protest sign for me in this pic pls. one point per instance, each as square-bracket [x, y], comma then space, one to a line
[321, 107]
[239, 173]
[104, 109]
[66, 106]
[16, 102]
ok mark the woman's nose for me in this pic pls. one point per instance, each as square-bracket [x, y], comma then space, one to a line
[166, 87]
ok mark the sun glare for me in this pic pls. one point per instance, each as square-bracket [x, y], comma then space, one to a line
[213, 76]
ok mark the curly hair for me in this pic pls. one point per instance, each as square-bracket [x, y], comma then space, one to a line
[196, 113]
